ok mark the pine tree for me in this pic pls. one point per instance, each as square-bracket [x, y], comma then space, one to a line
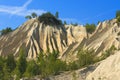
[34, 15]
[57, 14]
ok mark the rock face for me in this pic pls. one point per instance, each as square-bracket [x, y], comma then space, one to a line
[109, 69]
[105, 36]
[36, 37]
[75, 35]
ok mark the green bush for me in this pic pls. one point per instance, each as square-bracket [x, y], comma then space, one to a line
[45, 65]
[65, 23]
[6, 31]
[49, 19]
[108, 52]
[118, 19]
[1, 68]
[21, 63]
[72, 66]
[10, 63]
[32, 69]
[85, 57]
[6, 67]
[28, 17]
[90, 28]
[34, 15]
[118, 13]
[50, 65]
[118, 16]
[57, 14]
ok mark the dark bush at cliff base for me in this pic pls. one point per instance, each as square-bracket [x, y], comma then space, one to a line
[49, 19]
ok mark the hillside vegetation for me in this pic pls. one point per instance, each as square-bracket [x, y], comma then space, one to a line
[44, 65]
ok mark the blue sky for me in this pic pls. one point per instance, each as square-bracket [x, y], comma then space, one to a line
[12, 12]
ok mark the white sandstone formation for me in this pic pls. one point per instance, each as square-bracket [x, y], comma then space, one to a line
[36, 37]
[109, 69]
[105, 36]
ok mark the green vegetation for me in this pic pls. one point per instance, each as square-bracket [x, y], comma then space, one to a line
[6, 31]
[33, 15]
[118, 13]
[50, 65]
[118, 19]
[10, 63]
[28, 17]
[86, 57]
[2, 68]
[49, 19]
[74, 24]
[45, 65]
[118, 16]
[65, 22]
[22, 63]
[90, 28]
[57, 15]
[32, 69]
[108, 52]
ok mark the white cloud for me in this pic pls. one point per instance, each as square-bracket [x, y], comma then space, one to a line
[20, 11]
[27, 3]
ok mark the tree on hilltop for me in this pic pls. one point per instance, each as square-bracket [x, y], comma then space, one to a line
[28, 17]
[57, 14]
[49, 19]
[34, 15]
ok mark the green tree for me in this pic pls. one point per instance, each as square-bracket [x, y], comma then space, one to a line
[28, 17]
[50, 64]
[118, 19]
[22, 63]
[65, 22]
[118, 13]
[75, 24]
[1, 68]
[72, 66]
[6, 31]
[32, 69]
[34, 15]
[10, 63]
[90, 28]
[85, 57]
[118, 16]
[57, 14]
[49, 19]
